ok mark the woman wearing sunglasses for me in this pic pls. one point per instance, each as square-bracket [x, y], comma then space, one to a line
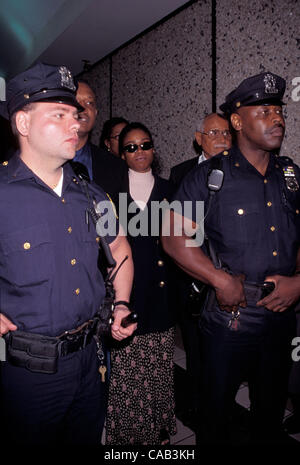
[141, 395]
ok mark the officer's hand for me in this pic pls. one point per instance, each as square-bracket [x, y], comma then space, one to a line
[6, 325]
[230, 292]
[117, 331]
[285, 294]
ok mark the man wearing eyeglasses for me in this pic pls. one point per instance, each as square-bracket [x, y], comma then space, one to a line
[102, 167]
[211, 137]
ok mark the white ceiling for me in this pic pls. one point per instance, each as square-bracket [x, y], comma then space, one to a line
[69, 31]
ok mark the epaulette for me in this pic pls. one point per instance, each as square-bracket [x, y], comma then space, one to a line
[284, 160]
[215, 162]
[113, 205]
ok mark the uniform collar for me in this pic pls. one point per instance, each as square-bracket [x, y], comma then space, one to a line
[19, 171]
[238, 159]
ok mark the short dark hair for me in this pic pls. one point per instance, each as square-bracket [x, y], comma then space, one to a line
[108, 127]
[130, 127]
[83, 81]
[156, 167]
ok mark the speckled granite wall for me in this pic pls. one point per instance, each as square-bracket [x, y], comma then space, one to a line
[99, 79]
[258, 36]
[163, 78]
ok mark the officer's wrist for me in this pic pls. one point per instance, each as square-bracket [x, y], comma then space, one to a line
[220, 279]
[121, 304]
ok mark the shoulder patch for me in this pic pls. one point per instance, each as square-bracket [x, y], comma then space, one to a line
[113, 206]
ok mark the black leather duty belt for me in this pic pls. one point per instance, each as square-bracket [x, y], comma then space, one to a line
[76, 339]
[40, 353]
[255, 292]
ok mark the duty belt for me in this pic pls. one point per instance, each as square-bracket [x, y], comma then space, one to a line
[39, 353]
[253, 293]
[76, 339]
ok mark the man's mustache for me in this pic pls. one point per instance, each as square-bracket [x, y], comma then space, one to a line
[221, 146]
[277, 125]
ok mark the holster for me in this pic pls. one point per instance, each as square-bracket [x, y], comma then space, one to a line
[197, 296]
[105, 313]
[39, 353]
[32, 351]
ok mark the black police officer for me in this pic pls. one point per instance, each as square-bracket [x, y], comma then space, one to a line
[253, 225]
[50, 284]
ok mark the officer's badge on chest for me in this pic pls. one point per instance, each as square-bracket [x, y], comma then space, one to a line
[290, 178]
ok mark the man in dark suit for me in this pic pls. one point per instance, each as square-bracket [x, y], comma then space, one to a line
[211, 137]
[104, 168]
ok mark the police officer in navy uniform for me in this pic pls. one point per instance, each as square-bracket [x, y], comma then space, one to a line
[253, 225]
[50, 285]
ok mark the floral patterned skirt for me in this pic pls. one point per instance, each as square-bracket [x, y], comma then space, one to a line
[141, 393]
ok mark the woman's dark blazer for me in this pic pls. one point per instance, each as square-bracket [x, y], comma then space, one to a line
[152, 287]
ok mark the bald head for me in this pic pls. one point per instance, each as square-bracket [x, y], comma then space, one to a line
[213, 135]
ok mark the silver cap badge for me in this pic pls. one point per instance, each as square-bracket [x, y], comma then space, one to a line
[270, 84]
[66, 78]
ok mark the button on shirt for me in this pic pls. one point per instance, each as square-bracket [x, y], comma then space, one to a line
[252, 224]
[49, 278]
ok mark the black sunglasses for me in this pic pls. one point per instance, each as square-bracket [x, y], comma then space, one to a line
[131, 148]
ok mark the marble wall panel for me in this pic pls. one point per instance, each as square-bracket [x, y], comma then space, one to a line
[257, 36]
[163, 79]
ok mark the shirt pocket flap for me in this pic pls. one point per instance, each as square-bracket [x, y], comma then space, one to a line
[25, 239]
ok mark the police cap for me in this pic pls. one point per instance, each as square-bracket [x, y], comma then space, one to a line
[40, 83]
[263, 89]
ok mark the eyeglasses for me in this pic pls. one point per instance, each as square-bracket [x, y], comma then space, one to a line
[214, 133]
[131, 148]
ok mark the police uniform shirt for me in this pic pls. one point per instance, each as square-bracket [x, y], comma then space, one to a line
[49, 279]
[254, 220]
